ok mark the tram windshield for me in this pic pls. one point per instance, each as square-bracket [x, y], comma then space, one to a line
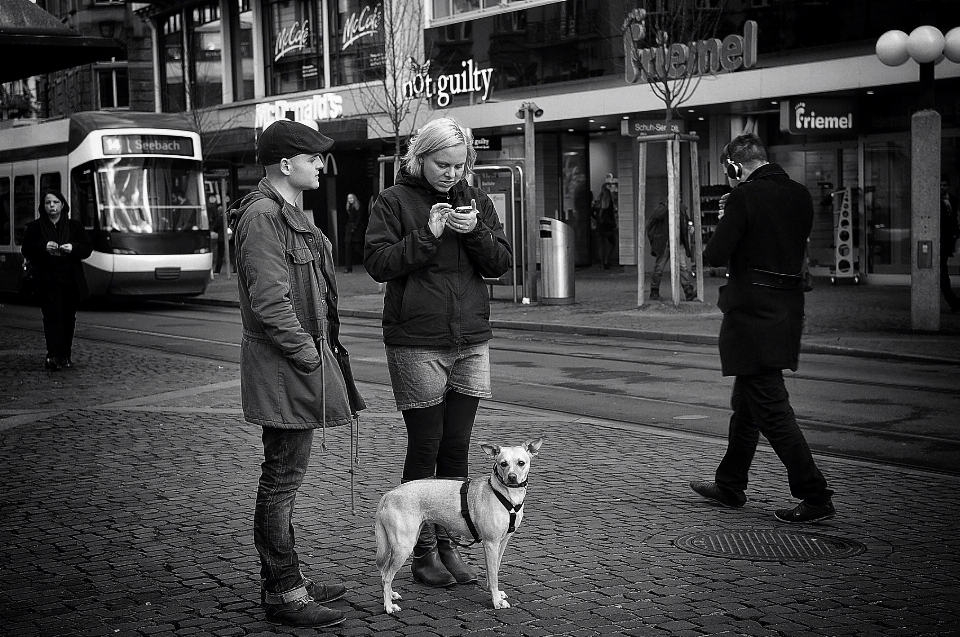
[149, 195]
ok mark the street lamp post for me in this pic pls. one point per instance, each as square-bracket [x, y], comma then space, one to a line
[927, 46]
[527, 112]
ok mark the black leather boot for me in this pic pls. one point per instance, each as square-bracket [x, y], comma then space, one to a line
[427, 567]
[450, 556]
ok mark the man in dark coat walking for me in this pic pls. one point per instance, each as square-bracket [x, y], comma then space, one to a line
[761, 238]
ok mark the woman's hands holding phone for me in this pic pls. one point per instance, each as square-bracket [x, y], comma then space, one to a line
[463, 219]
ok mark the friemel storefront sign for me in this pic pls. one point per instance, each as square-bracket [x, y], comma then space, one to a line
[678, 60]
[819, 116]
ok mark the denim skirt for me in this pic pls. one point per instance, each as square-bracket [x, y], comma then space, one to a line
[422, 375]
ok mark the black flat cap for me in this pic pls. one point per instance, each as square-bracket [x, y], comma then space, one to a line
[283, 139]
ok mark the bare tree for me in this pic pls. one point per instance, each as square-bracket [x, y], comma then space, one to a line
[671, 46]
[391, 94]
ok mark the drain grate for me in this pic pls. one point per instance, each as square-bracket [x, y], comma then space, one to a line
[769, 545]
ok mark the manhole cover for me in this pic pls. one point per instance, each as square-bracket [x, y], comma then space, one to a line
[769, 545]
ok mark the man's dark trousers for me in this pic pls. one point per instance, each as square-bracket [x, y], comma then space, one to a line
[761, 405]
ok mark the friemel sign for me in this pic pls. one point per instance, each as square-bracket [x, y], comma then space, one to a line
[678, 60]
[819, 116]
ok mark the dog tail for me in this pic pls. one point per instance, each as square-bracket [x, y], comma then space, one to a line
[384, 550]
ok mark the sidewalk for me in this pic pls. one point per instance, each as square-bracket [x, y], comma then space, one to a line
[128, 489]
[860, 320]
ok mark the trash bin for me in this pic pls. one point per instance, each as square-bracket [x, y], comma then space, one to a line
[556, 262]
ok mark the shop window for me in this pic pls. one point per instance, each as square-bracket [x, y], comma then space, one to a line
[114, 88]
[294, 47]
[461, 10]
[356, 26]
[206, 55]
[172, 92]
[245, 90]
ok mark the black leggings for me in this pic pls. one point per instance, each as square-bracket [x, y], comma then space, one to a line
[438, 438]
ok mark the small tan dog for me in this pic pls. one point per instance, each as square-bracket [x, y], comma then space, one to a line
[493, 513]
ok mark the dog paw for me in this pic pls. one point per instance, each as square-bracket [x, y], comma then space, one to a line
[395, 595]
[502, 604]
[391, 608]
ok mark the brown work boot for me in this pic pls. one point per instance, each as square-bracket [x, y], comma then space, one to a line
[427, 567]
[450, 556]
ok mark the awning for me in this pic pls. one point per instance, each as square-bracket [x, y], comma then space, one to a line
[33, 42]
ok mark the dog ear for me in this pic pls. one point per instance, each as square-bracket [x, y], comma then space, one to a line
[491, 450]
[533, 446]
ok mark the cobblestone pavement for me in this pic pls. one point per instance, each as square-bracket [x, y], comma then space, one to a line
[127, 492]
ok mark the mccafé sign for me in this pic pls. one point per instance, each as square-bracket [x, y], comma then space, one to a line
[470, 80]
[675, 61]
[818, 115]
[317, 107]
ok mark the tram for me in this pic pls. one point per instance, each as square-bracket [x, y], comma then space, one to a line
[133, 179]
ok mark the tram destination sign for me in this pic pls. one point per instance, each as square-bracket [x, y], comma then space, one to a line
[147, 145]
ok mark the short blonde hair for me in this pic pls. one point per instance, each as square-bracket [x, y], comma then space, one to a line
[438, 134]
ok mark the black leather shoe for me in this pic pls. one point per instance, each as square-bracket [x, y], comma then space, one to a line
[51, 364]
[66, 363]
[303, 612]
[805, 512]
[321, 593]
[451, 559]
[711, 491]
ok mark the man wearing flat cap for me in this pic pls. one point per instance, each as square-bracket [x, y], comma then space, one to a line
[294, 373]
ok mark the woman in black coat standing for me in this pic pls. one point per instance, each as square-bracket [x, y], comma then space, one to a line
[55, 245]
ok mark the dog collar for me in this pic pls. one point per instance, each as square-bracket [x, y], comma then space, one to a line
[500, 480]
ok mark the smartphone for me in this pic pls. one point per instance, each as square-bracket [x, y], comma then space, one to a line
[464, 209]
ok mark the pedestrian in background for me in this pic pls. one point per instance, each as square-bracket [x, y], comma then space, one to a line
[949, 233]
[55, 245]
[658, 234]
[221, 226]
[432, 238]
[354, 232]
[762, 238]
[605, 210]
[294, 373]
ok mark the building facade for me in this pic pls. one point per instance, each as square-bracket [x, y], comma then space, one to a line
[803, 75]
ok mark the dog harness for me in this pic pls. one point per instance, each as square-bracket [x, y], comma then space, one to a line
[511, 508]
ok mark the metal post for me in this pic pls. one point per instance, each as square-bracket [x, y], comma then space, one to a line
[532, 222]
[673, 217]
[697, 246]
[641, 218]
[925, 221]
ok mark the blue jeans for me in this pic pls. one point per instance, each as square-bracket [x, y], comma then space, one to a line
[761, 405]
[286, 454]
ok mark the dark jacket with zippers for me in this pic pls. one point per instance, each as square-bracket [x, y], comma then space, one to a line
[435, 290]
[291, 358]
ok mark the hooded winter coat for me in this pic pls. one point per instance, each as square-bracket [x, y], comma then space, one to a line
[435, 291]
[290, 350]
[762, 239]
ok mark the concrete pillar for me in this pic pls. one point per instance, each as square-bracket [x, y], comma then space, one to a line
[925, 221]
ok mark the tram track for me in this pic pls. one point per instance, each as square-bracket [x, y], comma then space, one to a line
[529, 393]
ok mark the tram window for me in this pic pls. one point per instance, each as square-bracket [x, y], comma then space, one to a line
[24, 205]
[83, 197]
[5, 226]
[150, 196]
[50, 181]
